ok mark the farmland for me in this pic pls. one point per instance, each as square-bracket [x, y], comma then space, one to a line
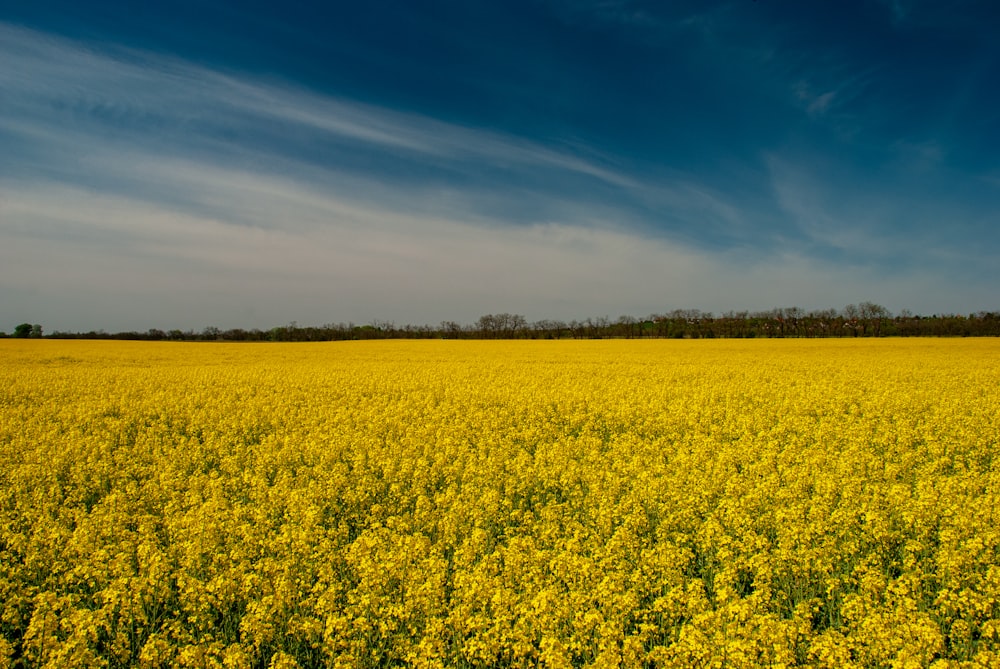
[486, 504]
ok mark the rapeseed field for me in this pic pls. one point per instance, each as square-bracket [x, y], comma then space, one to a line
[824, 503]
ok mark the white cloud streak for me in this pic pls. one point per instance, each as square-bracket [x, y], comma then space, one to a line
[47, 79]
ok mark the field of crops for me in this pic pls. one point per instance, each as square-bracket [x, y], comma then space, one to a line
[491, 504]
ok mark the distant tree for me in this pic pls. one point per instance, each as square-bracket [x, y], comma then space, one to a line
[628, 327]
[661, 324]
[451, 329]
[505, 326]
[851, 314]
[36, 331]
[23, 331]
[872, 317]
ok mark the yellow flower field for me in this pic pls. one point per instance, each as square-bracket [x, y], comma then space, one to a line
[826, 503]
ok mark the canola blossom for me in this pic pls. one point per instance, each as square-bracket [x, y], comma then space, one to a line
[823, 503]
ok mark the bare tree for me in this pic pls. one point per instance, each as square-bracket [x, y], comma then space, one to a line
[872, 317]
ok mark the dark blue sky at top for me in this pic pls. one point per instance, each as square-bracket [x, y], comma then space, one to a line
[827, 130]
[558, 70]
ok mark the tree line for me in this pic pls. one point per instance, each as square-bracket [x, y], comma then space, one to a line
[866, 319]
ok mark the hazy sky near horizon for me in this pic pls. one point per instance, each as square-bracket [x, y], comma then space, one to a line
[245, 164]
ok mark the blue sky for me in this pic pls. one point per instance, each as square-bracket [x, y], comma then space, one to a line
[188, 164]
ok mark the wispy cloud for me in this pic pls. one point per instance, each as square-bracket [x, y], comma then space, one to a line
[138, 96]
[834, 94]
[819, 104]
[113, 121]
[875, 225]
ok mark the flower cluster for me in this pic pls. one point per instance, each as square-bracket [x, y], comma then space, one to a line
[659, 503]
